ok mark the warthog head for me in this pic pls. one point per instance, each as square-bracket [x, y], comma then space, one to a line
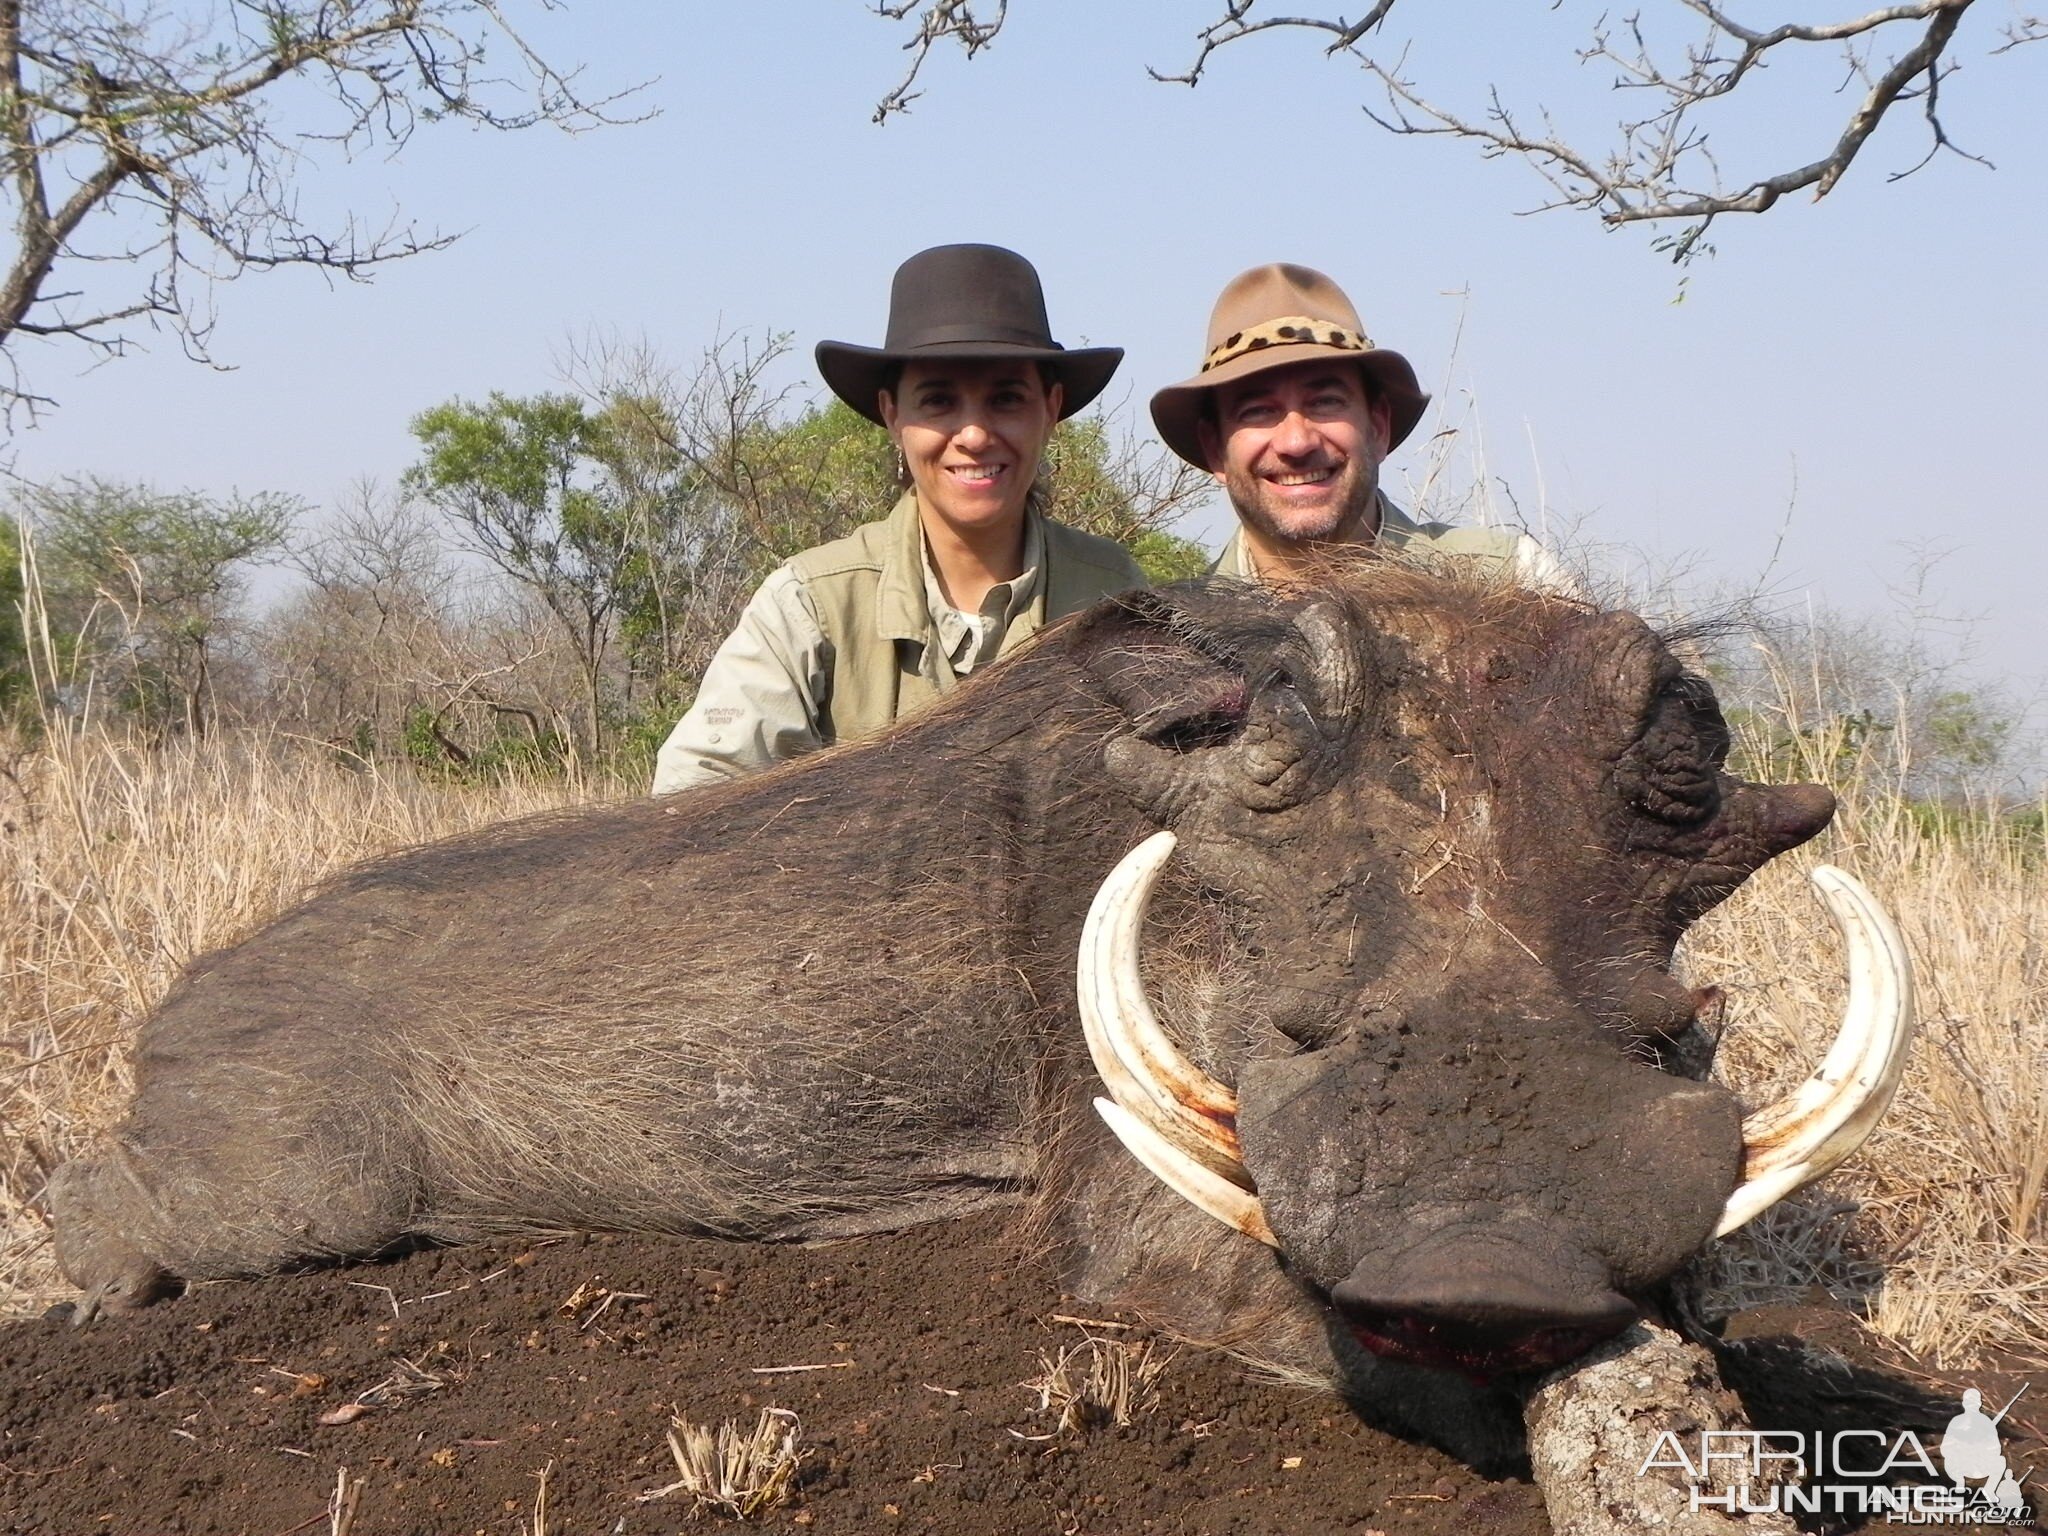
[1454, 833]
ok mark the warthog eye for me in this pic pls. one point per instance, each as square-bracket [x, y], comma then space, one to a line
[1673, 770]
[1215, 720]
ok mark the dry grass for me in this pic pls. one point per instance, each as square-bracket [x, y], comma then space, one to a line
[735, 1472]
[1098, 1382]
[1936, 1230]
[119, 863]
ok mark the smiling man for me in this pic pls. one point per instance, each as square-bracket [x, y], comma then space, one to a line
[1293, 411]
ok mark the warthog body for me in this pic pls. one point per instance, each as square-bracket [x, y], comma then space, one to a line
[1436, 843]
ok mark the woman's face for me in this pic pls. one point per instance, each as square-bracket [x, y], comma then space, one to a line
[972, 432]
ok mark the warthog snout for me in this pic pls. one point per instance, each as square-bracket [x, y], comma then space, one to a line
[1480, 1304]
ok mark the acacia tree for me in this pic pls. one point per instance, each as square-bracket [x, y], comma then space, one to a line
[525, 483]
[145, 152]
[1686, 71]
[141, 587]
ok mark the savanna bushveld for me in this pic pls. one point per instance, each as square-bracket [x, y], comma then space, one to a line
[511, 629]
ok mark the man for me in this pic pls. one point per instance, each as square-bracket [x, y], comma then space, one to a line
[848, 637]
[1293, 411]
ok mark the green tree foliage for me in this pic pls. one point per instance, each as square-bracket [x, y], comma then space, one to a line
[1113, 490]
[534, 485]
[1841, 699]
[143, 586]
[1167, 557]
[809, 479]
[1966, 729]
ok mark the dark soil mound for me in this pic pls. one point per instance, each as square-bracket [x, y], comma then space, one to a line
[488, 1369]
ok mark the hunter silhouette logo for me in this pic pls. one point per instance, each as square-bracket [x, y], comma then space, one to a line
[1854, 1471]
[1970, 1450]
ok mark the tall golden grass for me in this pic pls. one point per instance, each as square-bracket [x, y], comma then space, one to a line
[123, 862]
[1935, 1231]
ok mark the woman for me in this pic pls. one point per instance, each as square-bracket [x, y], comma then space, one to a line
[847, 637]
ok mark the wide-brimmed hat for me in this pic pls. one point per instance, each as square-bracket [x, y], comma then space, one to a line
[1267, 318]
[970, 301]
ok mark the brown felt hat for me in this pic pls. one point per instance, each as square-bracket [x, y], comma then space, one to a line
[1267, 318]
[970, 301]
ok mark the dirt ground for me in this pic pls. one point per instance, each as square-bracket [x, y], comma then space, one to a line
[524, 1390]
[568, 1359]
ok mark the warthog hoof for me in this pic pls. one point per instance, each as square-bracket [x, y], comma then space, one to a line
[136, 1285]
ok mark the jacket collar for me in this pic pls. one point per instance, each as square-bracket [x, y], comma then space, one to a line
[1396, 531]
[902, 608]
[900, 612]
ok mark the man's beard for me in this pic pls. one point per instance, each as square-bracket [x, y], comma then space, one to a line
[1349, 516]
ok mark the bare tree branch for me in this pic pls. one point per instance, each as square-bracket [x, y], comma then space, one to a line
[1233, 26]
[1660, 164]
[2023, 29]
[142, 146]
[937, 20]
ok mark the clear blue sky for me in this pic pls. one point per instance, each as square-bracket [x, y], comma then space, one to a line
[1845, 384]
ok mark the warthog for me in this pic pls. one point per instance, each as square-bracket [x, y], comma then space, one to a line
[1431, 844]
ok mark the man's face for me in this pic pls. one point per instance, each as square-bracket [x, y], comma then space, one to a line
[1299, 448]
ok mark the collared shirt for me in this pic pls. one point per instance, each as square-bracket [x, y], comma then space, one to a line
[1399, 534]
[969, 639]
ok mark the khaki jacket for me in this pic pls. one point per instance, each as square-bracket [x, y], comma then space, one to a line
[842, 640]
[869, 592]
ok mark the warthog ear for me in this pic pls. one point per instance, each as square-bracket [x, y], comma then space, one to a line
[1179, 676]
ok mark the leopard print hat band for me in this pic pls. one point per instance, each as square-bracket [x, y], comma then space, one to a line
[1282, 331]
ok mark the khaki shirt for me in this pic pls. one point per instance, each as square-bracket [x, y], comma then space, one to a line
[845, 638]
[1401, 535]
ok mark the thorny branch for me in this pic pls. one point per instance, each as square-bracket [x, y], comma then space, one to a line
[144, 153]
[1647, 177]
[1655, 171]
[2023, 29]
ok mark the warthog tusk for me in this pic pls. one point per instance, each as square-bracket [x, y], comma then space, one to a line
[1811, 1130]
[1145, 1072]
[1206, 1191]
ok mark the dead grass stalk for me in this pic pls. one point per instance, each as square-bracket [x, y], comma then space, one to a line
[1099, 1382]
[735, 1472]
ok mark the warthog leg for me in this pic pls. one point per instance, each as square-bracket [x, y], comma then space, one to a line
[115, 1275]
[133, 1221]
